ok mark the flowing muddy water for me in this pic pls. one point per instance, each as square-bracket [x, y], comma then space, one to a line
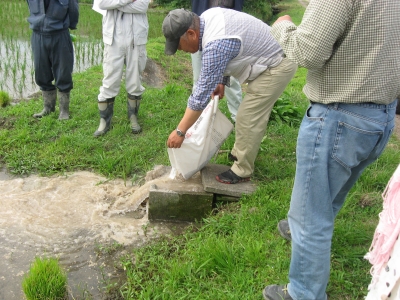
[71, 217]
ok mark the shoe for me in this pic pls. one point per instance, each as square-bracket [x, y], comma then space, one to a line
[232, 157]
[284, 230]
[230, 178]
[276, 292]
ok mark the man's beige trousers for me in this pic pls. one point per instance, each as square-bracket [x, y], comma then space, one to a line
[254, 111]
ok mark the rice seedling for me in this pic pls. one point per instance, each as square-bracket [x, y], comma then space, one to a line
[46, 280]
[5, 99]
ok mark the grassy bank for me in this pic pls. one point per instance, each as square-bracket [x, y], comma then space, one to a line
[238, 250]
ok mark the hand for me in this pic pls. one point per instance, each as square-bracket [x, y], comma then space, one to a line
[219, 91]
[174, 140]
[283, 18]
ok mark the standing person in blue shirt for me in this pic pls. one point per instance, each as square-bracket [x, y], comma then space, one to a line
[53, 53]
[233, 44]
[233, 93]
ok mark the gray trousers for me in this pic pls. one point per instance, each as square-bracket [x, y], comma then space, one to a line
[53, 57]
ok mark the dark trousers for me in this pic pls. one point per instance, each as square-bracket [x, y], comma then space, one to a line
[53, 56]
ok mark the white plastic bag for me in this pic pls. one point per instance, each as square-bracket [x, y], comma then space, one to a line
[202, 140]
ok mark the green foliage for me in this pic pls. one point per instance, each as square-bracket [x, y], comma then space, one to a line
[5, 99]
[45, 281]
[174, 3]
[285, 112]
[258, 8]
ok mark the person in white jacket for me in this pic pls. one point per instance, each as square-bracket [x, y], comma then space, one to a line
[125, 31]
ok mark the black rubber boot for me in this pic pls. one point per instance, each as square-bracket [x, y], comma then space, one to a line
[133, 110]
[106, 110]
[64, 105]
[49, 103]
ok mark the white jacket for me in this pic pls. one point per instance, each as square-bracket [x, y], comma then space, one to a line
[137, 7]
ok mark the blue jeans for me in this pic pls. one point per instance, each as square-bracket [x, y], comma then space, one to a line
[336, 142]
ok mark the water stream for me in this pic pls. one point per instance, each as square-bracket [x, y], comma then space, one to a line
[73, 217]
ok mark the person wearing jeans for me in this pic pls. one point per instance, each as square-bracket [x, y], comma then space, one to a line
[350, 51]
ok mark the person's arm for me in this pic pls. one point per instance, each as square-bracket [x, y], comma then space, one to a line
[113, 4]
[311, 43]
[216, 55]
[136, 7]
[73, 13]
[189, 118]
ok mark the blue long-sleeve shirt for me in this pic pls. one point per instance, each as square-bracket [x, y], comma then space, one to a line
[216, 56]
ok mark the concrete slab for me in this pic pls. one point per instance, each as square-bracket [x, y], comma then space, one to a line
[179, 200]
[211, 185]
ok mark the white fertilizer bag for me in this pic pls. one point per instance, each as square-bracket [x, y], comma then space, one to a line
[201, 142]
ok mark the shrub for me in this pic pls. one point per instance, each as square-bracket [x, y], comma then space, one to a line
[45, 281]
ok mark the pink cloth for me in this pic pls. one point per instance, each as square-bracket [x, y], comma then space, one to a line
[388, 229]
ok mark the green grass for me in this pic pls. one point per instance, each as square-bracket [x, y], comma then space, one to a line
[45, 281]
[237, 250]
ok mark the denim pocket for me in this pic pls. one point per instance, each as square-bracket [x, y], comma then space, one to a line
[353, 145]
[34, 6]
[315, 113]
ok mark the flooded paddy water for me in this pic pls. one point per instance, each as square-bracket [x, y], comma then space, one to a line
[77, 218]
[16, 65]
[85, 220]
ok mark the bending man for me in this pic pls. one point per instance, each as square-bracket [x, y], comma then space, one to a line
[233, 44]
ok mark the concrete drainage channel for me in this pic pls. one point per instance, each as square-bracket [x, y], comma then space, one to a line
[192, 199]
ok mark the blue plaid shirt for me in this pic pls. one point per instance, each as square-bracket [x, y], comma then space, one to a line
[216, 56]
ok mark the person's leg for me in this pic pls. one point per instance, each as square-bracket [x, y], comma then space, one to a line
[41, 49]
[113, 66]
[41, 46]
[135, 63]
[233, 95]
[335, 144]
[62, 60]
[136, 58]
[62, 56]
[254, 112]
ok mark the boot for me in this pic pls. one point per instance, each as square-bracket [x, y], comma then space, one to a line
[49, 103]
[106, 110]
[133, 109]
[64, 105]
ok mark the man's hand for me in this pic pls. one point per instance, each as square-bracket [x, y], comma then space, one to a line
[189, 118]
[219, 91]
[283, 18]
[174, 140]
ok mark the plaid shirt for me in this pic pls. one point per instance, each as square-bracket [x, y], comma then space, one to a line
[351, 49]
[216, 56]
